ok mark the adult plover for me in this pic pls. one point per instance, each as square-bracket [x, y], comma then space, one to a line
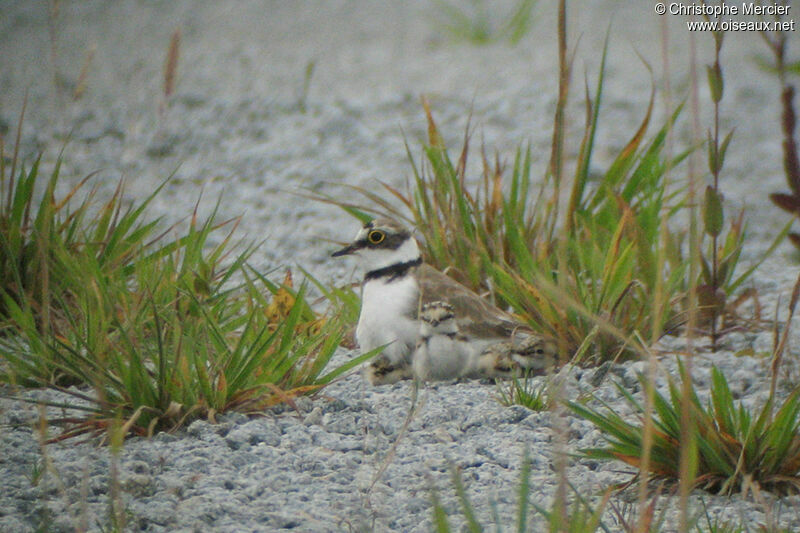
[397, 285]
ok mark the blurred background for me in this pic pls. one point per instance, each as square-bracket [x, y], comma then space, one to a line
[266, 98]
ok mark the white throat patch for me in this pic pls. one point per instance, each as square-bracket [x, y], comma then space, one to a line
[382, 258]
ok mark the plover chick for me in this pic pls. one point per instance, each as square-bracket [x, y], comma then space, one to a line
[382, 371]
[495, 361]
[535, 355]
[442, 353]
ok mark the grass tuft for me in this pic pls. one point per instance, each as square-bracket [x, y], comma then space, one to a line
[737, 449]
[153, 329]
[477, 24]
[525, 391]
[581, 517]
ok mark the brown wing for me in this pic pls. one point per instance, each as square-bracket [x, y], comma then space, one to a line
[474, 315]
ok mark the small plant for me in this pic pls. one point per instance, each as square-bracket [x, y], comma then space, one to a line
[735, 449]
[170, 69]
[721, 527]
[789, 202]
[37, 471]
[716, 525]
[582, 517]
[634, 518]
[524, 391]
[717, 273]
[718, 281]
[308, 73]
[475, 25]
[705, 524]
[118, 514]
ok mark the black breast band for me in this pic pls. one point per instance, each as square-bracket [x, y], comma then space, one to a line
[392, 272]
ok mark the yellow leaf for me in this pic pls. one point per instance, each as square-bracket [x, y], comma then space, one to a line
[222, 383]
[312, 327]
[434, 137]
[183, 365]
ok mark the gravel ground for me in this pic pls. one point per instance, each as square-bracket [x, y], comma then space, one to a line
[234, 130]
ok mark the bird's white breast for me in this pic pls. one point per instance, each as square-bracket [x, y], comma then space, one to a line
[387, 308]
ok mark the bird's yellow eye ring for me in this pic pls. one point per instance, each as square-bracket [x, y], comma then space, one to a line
[376, 236]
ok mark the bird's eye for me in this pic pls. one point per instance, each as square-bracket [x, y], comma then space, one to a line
[376, 236]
